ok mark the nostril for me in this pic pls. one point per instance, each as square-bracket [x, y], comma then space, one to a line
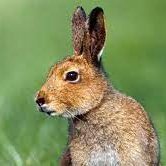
[40, 101]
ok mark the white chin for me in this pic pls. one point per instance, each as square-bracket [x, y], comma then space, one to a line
[45, 108]
[54, 114]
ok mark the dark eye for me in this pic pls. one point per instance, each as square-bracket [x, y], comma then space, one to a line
[72, 76]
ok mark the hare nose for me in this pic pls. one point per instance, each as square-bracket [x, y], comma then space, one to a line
[40, 101]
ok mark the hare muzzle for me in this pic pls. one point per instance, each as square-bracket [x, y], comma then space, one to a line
[42, 103]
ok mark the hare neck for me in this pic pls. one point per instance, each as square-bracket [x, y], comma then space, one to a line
[93, 116]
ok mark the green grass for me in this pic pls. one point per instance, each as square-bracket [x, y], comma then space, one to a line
[35, 34]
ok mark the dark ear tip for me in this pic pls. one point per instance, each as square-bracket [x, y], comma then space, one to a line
[79, 12]
[79, 9]
[97, 10]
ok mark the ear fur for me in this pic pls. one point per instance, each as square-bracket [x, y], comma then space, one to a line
[78, 30]
[95, 39]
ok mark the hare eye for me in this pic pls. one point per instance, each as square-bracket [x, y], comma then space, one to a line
[72, 76]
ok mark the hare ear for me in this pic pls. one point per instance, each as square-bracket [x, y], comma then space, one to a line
[96, 34]
[78, 29]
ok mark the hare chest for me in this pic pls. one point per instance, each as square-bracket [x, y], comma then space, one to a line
[104, 157]
[98, 156]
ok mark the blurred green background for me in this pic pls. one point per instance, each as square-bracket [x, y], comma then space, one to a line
[34, 34]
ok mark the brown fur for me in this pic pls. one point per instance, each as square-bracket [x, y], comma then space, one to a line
[100, 118]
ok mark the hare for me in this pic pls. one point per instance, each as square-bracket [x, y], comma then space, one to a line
[106, 127]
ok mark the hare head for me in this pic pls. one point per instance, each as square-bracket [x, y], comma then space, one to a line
[77, 84]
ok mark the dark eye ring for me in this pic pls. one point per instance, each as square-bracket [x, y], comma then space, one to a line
[72, 76]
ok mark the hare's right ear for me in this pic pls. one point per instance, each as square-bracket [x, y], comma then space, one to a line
[78, 30]
[95, 36]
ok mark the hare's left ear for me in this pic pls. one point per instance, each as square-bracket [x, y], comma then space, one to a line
[95, 37]
[78, 30]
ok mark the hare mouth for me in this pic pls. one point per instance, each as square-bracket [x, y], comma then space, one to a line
[45, 109]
